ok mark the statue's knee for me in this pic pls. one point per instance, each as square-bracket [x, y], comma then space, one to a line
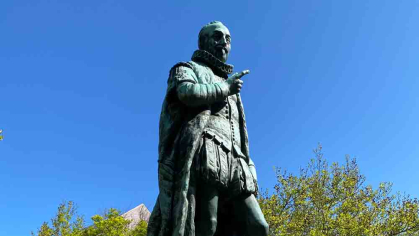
[264, 229]
[212, 226]
[260, 228]
[207, 228]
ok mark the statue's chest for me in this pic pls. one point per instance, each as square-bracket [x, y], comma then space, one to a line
[226, 108]
[216, 79]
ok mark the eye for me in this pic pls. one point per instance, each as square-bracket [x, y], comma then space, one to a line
[217, 36]
[228, 38]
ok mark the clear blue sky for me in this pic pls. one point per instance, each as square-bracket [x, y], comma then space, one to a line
[82, 83]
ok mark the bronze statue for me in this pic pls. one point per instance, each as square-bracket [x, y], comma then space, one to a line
[207, 180]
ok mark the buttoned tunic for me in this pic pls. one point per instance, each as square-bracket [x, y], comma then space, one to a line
[219, 159]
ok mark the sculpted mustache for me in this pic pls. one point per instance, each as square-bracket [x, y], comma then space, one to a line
[222, 48]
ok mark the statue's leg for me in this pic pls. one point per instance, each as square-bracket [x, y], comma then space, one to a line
[249, 214]
[206, 210]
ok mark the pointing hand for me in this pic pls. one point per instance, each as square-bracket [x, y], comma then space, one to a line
[235, 83]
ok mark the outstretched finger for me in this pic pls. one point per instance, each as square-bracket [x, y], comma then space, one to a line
[245, 72]
[235, 76]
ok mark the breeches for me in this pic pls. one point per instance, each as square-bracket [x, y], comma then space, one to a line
[223, 167]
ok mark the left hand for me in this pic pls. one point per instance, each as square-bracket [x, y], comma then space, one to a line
[253, 171]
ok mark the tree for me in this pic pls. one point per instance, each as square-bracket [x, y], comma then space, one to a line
[140, 229]
[334, 200]
[64, 223]
[111, 224]
[68, 223]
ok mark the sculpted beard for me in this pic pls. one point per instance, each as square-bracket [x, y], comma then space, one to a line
[219, 52]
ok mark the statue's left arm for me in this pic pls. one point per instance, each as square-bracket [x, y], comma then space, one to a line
[252, 169]
[245, 141]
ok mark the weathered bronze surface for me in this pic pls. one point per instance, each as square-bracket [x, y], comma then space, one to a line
[207, 180]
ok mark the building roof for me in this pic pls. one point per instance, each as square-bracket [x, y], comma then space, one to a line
[136, 215]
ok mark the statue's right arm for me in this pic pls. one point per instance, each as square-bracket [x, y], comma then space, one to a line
[192, 93]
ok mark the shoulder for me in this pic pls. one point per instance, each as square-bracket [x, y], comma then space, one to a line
[196, 71]
[182, 64]
[192, 65]
[182, 72]
[182, 68]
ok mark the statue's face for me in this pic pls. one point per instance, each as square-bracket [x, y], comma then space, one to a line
[218, 41]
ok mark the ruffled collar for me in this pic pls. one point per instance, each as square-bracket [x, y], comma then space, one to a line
[219, 67]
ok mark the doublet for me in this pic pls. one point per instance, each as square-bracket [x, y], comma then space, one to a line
[218, 160]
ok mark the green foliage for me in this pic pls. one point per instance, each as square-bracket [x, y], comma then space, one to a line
[68, 223]
[111, 224]
[334, 200]
[65, 223]
[139, 230]
[45, 230]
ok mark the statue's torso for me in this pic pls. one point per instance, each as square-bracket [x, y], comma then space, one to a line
[219, 161]
[224, 120]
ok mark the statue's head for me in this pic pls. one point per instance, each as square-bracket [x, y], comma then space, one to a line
[215, 38]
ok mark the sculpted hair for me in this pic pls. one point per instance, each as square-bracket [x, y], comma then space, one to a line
[203, 36]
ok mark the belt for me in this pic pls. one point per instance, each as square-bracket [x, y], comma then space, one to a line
[218, 139]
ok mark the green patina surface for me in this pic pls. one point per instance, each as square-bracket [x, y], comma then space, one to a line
[207, 179]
